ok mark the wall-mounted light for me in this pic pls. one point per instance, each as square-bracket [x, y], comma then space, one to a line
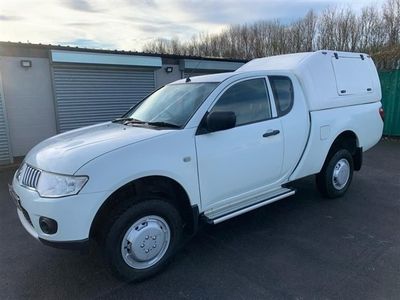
[26, 63]
[169, 69]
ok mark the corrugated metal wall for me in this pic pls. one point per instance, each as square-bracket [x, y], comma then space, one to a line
[390, 82]
[5, 155]
[86, 95]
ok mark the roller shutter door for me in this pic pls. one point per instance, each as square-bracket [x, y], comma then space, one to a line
[87, 95]
[5, 155]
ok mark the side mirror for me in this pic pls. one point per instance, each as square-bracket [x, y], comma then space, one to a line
[220, 120]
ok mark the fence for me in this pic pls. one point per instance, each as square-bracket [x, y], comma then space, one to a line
[390, 82]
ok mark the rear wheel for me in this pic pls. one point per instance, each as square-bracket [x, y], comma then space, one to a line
[142, 239]
[336, 175]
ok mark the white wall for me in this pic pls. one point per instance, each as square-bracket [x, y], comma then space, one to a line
[29, 102]
[163, 78]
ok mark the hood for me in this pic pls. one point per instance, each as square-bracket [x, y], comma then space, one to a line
[66, 153]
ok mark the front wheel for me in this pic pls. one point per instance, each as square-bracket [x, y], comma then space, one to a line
[336, 175]
[142, 239]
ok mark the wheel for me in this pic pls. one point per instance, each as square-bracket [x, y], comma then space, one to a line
[336, 175]
[142, 239]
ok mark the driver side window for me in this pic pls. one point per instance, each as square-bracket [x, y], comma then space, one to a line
[248, 100]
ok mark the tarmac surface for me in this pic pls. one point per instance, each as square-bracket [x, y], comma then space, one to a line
[302, 247]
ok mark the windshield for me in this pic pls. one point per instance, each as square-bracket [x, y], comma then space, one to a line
[172, 105]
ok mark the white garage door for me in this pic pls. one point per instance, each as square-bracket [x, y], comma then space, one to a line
[87, 94]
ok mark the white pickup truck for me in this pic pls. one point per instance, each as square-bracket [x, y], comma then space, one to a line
[206, 148]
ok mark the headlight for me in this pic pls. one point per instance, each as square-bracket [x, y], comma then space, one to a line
[20, 171]
[52, 185]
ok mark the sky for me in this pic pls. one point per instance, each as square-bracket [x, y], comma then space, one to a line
[129, 24]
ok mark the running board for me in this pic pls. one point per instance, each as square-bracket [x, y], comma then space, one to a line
[248, 208]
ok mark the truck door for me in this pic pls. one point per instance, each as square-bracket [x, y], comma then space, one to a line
[235, 163]
[293, 113]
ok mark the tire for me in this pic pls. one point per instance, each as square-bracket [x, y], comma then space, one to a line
[336, 174]
[142, 238]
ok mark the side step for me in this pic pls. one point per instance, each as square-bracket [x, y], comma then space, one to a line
[246, 209]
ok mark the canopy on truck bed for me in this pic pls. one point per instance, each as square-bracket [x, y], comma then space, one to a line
[329, 78]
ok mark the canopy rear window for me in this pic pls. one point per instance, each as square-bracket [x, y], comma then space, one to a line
[353, 75]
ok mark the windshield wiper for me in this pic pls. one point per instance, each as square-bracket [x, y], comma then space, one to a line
[163, 124]
[128, 120]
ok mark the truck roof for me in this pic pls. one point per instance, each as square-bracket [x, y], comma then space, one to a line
[328, 78]
[285, 62]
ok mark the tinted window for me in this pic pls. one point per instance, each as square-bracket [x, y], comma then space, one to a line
[282, 89]
[248, 100]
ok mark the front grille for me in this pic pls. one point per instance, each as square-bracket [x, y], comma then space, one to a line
[31, 176]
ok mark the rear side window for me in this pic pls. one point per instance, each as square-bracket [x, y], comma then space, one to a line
[282, 88]
[248, 100]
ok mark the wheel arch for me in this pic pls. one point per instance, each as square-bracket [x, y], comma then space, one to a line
[156, 185]
[349, 140]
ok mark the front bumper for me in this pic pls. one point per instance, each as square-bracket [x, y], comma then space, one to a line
[74, 215]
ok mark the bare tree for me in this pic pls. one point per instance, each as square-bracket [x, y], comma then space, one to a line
[372, 30]
[391, 17]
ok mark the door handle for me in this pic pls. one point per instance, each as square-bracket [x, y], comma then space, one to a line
[271, 133]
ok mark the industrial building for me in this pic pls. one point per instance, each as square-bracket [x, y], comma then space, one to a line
[48, 89]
